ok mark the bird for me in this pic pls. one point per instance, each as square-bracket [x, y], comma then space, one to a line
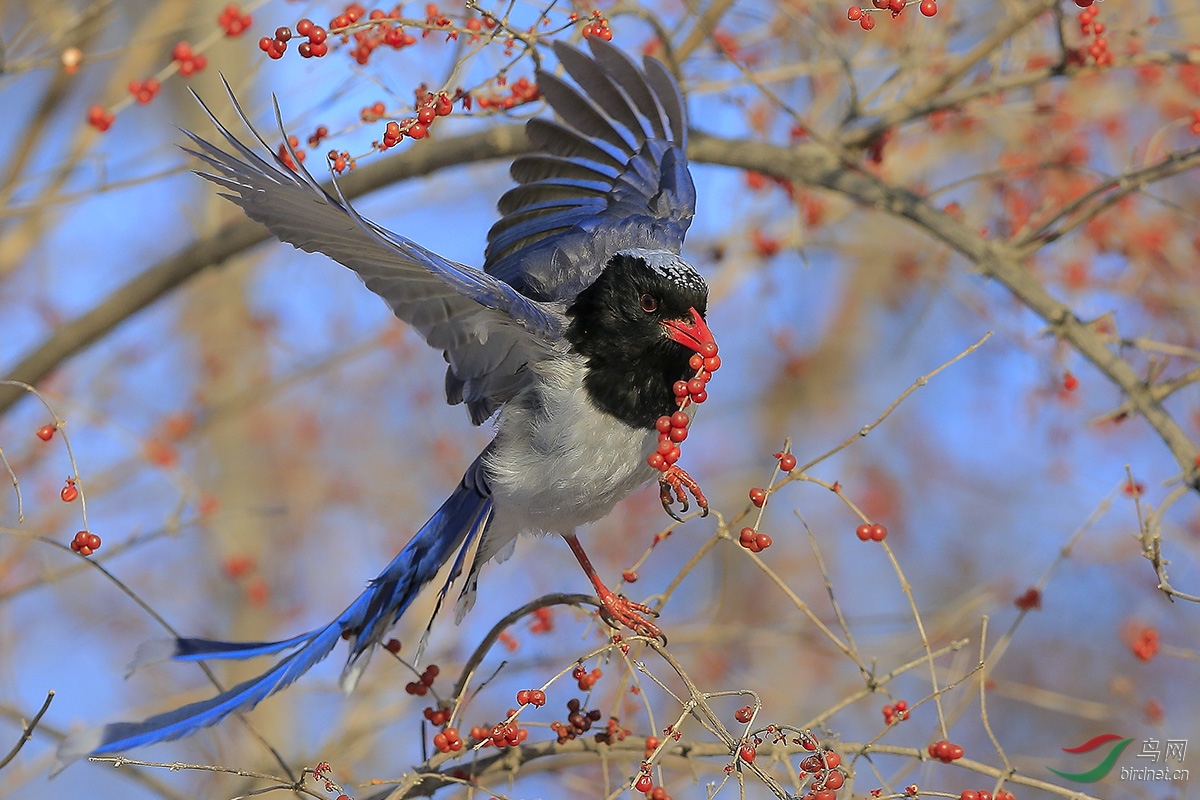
[575, 337]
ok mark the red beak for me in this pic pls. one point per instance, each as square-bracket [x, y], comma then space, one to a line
[694, 335]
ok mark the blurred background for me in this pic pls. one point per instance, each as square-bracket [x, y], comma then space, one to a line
[258, 441]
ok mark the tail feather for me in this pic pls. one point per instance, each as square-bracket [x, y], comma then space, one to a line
[453, 528]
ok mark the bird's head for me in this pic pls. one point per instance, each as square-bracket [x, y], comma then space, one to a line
[638, 325]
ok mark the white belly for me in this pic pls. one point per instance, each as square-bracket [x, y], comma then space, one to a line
[559, 462]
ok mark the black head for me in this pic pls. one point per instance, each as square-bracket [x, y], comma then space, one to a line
[637, 326]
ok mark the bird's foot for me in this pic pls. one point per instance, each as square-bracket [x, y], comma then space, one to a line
[674, 486]
[621, 611]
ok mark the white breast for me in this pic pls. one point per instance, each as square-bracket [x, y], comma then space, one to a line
[558, 461]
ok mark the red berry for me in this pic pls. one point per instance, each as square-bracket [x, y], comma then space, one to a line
[863, 532]
[928, 7]
[811, 764]
[644, 783]
[758, 497]
[787, 462]
[878, 532]
[762, 541]
[708, 349]
[304, 27]
[834, 780]
[680, 420]
[45, 432]
[69, 492]
[854, 13]
[867, 22]
[744, 714]
[392, 646]
[747, 753]
[969, 795]
[832, 759]
[663, 424]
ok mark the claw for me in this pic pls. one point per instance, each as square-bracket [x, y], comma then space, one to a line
[677, 482]
[664, 494]
[620, 611]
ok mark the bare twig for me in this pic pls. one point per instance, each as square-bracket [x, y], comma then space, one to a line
[27, 732]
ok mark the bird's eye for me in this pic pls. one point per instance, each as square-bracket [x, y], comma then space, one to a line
[649, 303]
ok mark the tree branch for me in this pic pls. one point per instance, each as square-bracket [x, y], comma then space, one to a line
[241, 235]
[809, 165]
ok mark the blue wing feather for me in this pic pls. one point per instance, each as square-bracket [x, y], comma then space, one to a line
[620, 144]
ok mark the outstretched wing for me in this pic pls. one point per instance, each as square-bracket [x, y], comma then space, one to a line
[612, 174]
[487, 330]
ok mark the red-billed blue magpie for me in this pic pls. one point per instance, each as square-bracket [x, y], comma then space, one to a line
[582, 321]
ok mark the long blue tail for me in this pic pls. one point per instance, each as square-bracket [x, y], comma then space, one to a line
[454, 527]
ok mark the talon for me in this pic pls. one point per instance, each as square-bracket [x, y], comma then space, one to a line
[620, 611]
[675, 479]
[664, 494]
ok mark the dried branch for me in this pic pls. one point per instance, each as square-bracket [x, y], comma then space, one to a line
[27, 732]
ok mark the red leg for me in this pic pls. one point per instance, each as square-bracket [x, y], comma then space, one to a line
[612, 606]
[677, 480]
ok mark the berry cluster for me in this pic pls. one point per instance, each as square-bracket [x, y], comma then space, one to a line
[144, 91]
[578, 721]
[437, 716]
[421, 686]
[85, 543]
[233, 21]
[505, 734]
[1030, 600]
[823, 767]
[866, 19]
[520, 92]
[189, 62]
[754, 541]
[585, 679]
[99, 118]
[598, 27]
[613, 732]
[868, 533]
[543, 620]
[285, 152]
[1145, 644]
[69, 492]
[532, 697]
[945, 751]
[897, 712]
[448, 741]
[645, 784]
[986, 795]
[673, 429]
[429, 107]
[1098, 49]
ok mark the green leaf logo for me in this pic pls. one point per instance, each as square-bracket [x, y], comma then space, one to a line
[1104, 767]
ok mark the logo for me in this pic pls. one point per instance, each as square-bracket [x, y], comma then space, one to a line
[1104, 767]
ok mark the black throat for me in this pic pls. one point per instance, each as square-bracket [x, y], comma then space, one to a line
[632, 365]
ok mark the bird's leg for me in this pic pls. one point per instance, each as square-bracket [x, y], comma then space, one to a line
[674, 478]
[613, 607]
